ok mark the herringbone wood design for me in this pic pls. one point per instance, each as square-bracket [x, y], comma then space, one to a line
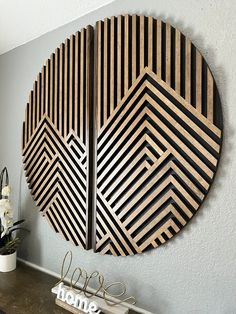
[156, 142]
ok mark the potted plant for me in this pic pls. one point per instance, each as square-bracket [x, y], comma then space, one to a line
[9, 241]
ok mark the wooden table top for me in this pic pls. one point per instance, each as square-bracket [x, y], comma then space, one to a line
[27, 291]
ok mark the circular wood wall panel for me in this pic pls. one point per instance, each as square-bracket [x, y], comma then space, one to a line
[158, 135]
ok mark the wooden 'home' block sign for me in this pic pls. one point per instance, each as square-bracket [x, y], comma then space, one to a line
[124, 115]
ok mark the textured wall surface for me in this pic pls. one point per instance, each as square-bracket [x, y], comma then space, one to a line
[195, 272]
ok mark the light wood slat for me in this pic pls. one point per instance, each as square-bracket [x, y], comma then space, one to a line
[210, 94]
[51, 87]
[61, 87]
[150, 42]
[105, 71]
[188, 70]
[77, 75]
[66, 79]
[82, 82]
[119, 52]
[142, 42]
[112, 60]
[99, 69]
[159, 47]
[177, 61]
[71, 83]
[34, 108]
[30, 114]
[39, 111]
[126, 54]
[168, 53]
[198, 81]
[134, 47]
[47, 91]
[43, 92]
[56, 87]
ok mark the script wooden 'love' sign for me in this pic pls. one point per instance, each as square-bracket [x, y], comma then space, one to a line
[134, 128]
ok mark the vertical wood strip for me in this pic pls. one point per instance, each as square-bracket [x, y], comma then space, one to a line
[177, 61]
[126, 65]
[134, 46]
[150, 43]
[105, 69]
[82, 82]
[119, 39]
[38, 98]
[142, 43]
[66, 108]
[71, 82]
[168, 54]
[30, 115]
[43, 91]
[99, 61]
[188, 70]
[198, 81]
[47, 88]
[159, 46]
[112, 60]
[210, 90]
[56, 87]
[76, 105]
[34, 109]
[52, 65]
[61, 88]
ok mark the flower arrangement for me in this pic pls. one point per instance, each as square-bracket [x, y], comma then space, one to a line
[8, 241]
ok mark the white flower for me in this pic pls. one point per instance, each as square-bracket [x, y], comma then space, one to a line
[6, 215]
[6, 191]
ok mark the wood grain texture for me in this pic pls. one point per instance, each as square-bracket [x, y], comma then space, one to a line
[132, 164]
[159, 146]
[55, 138]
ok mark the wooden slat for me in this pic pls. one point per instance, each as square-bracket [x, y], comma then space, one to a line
[188, 70]
[66, 112]
[198, 81]
[105, 71]
[82, 82]
[119, 52]
[111, 66]
[99, 69]
[168, 53]
[77, 76]
[61, 88]
[177, 61]
[51, 88]
[56, 87]
[150, 43]
[159, 47]
[134, 47]
[71, 82]
[126, 54]
[142, 42]
[210, 91]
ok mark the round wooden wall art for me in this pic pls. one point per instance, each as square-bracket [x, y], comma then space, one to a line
[122, 135]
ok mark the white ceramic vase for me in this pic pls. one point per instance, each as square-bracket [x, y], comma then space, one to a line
[7, 262]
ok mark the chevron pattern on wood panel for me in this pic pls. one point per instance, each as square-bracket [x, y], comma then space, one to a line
[119, 156]
[55, 138]
[156, 160]
[158, 133]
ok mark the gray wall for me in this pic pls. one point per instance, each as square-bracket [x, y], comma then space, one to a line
[195, 272]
